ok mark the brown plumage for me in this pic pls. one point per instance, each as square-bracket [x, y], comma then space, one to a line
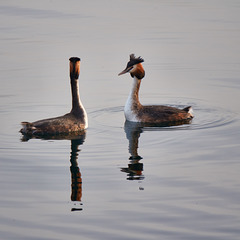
[71, 122]
[156, 114]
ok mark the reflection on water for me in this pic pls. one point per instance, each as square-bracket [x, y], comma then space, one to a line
[133, 131]
[135, 168]
[190, 172]
[76, 194]
[77, 139]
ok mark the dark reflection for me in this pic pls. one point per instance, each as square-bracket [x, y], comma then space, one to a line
[133, 131]
[135, 168]
[76, 185]
[77, 139]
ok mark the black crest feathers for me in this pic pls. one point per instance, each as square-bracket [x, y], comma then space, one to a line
[134, 60]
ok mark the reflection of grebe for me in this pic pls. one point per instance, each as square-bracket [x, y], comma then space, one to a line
[76, 195]
[135, 112]
[135, 168]
[74, 121]
[77, 139]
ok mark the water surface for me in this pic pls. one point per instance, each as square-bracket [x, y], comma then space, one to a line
[119, 180]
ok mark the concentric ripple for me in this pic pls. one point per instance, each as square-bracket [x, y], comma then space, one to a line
[205, 117]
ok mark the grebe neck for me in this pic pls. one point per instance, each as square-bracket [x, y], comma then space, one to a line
[76, 102]
[77, 107]
[132, 105]
[134, 93]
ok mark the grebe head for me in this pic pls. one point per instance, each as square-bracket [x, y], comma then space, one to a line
[74, 67]
[134, 67]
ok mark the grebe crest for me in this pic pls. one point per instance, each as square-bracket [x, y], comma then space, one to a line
[136, 112]
[134, 67]
[72, 122]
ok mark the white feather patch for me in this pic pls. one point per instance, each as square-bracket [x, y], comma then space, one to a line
[129, 114]
[191, 112]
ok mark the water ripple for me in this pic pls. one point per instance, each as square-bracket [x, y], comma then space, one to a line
[205, 117]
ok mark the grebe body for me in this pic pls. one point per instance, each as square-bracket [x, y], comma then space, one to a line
[71, 122]
[157, 114]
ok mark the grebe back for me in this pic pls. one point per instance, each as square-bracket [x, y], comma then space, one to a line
[156, 114]
[71, 122]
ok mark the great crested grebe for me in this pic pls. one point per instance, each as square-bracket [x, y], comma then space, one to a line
[153, 114]
[74, 121]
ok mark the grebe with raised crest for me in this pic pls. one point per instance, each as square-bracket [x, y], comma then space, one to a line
[74, 121]
[153, 114]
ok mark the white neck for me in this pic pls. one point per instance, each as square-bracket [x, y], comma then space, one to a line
[85, 113]
[76, 101]
[132, 101]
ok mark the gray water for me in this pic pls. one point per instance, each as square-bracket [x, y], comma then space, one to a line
[187, 184]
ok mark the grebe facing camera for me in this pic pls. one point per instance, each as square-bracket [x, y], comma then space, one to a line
[74, 121]
[153, 114]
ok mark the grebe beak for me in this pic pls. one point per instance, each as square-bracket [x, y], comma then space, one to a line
[128, 69]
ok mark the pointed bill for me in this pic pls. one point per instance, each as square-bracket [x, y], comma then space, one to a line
[125, 71]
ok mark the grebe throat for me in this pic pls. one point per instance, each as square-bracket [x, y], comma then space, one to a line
[132, 105]
[77, 106]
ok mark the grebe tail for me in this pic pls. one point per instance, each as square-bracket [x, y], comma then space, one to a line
[71, 122]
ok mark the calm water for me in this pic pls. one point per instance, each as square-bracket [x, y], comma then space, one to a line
[187, 184]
